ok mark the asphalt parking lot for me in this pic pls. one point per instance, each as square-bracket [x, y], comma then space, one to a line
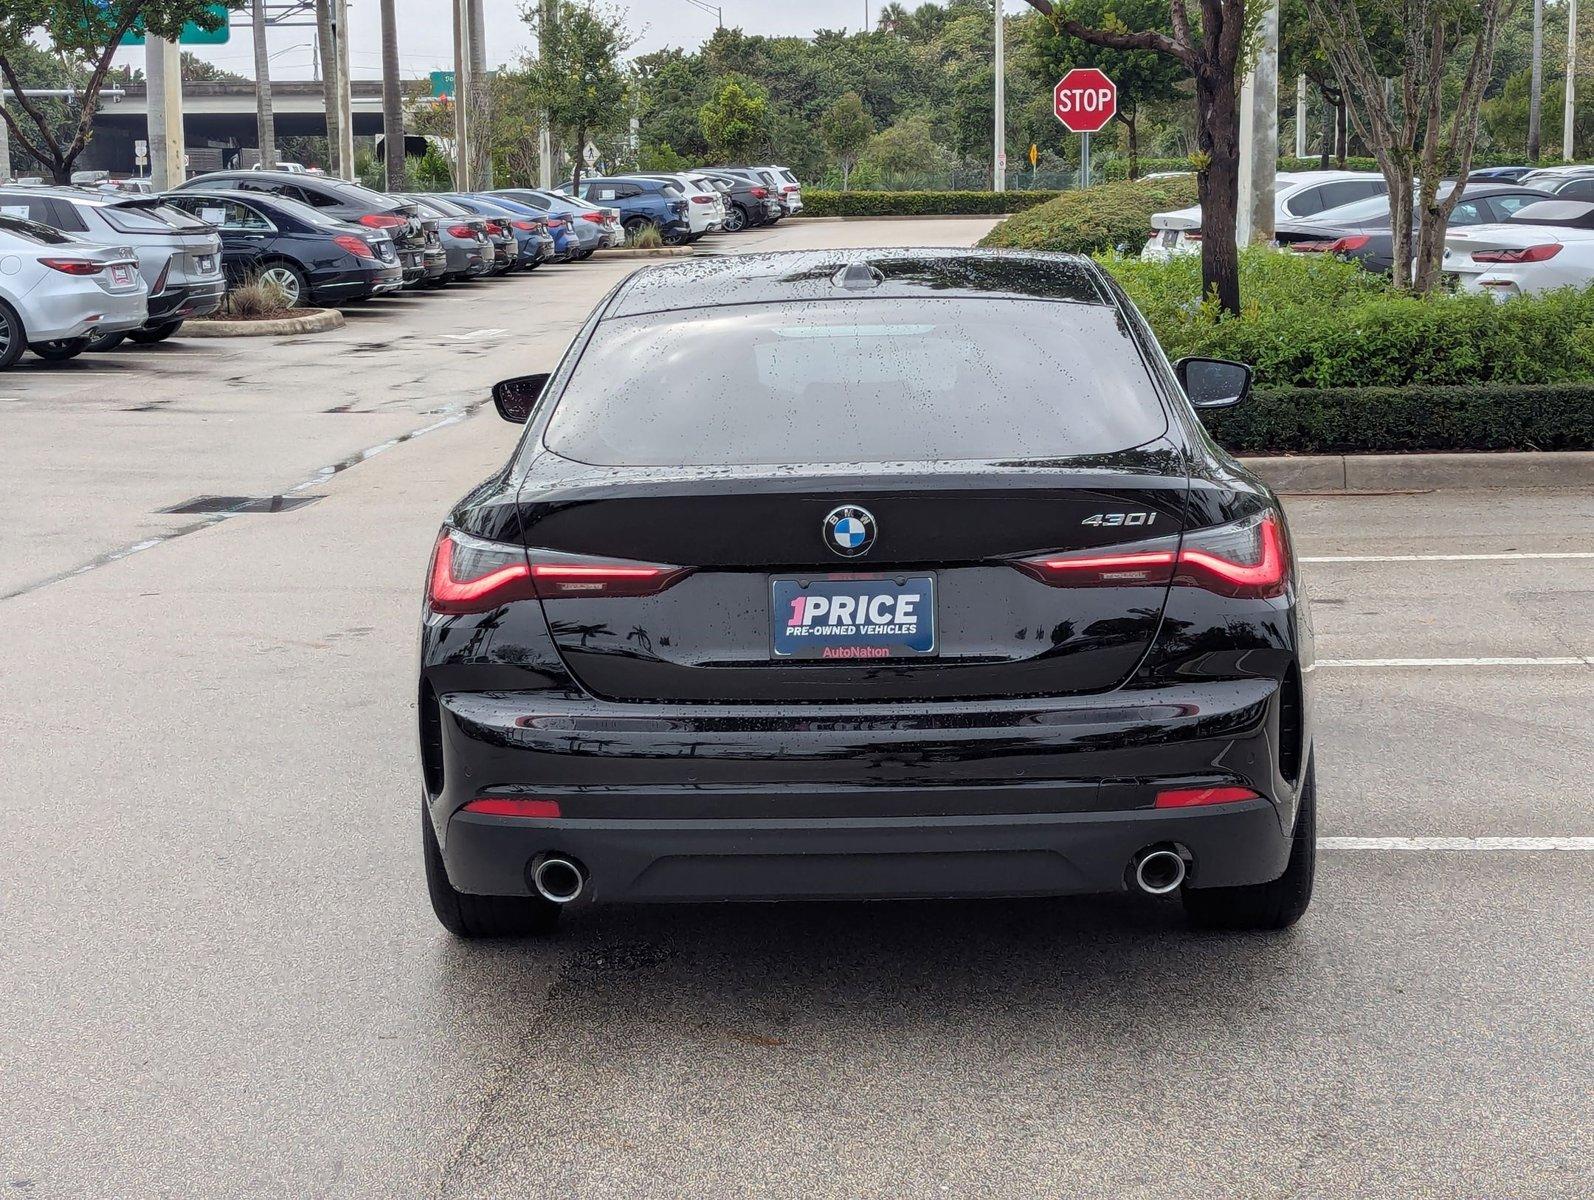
[222, 977]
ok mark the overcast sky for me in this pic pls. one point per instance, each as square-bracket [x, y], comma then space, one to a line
[425, 43]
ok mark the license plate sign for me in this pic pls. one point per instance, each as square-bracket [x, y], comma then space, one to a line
[121, 275]
[852, 617]
[207, 263]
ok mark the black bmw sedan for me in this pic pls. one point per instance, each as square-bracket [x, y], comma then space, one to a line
[845, 574]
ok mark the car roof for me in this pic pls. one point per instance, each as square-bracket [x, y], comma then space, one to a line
[896, 273]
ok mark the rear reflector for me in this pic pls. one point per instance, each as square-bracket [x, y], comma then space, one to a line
[511, 806]
[471, 575]
[1191, 797]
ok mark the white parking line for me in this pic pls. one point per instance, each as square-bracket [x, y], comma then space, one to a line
[475, 333]
[1427, 844]
[1374, 558]
[1567, 661]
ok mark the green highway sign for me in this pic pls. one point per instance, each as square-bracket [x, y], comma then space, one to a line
[442, 83]
[192, 35]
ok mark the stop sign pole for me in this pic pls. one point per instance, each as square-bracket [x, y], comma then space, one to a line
[1084, 100]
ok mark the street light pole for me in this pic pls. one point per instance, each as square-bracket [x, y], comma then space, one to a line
[544, 131]
[1536, 83]
[1571, 80]
[464, 94]
[265, 120]
[999, 115]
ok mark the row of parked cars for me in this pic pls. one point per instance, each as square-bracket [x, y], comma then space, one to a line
[94, 267]
[1514, 231]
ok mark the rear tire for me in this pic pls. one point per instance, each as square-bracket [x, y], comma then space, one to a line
[159, 333]
[1275, 905]
[735, 219]
[60, 351]
[13, 337]
[472, 917]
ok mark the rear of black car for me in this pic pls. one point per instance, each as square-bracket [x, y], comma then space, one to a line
[916, 582]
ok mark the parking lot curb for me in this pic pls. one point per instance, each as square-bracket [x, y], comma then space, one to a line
[315, 320]
[1425, 472]
[658, 252]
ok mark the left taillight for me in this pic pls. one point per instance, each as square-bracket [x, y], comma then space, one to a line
[73, 266]
[475, 575]
[355, 245]
[1244, 559]
[383, 221]
[524, 226]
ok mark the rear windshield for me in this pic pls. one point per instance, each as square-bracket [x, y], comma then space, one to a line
[353, 193]
[856, 381]
[127, 219]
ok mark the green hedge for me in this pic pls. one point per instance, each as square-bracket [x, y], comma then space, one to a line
[1310, 320]
[1094, 219]
[917, 204]
[1380, 420]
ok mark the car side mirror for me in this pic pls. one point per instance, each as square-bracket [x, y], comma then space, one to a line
[515, 398]
[1213, 382]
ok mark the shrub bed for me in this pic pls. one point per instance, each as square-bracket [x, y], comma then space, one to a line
[1095, 219]
[1379, 420]
[1312, 321]
[917, 204]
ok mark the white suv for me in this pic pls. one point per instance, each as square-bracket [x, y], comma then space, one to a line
[705, 207]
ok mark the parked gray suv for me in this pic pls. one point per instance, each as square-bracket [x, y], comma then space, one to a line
[178, 256]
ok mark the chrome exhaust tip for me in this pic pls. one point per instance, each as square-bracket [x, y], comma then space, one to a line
[559, 880]
[1159, 870]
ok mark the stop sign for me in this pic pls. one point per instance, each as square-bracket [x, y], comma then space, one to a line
[1084, 100]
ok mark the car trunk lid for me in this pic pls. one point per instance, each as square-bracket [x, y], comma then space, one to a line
[998, 630]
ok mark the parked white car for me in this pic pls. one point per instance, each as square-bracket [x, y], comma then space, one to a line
[705, 211]
[1522, 257]
[791, 191]
[1296, 194]
[57, 291]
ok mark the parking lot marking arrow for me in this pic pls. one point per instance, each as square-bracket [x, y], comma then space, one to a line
[475, 333]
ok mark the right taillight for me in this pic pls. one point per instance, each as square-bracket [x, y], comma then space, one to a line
[1245, 559]
[1529, 254]
[472, 574]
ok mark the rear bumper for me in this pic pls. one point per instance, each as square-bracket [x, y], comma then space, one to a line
[1050, 854]
[192, 300]
[1037, 797]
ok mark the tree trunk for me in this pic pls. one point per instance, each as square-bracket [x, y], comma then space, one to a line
[578, 162]
[392, 106]
[1340, 132]
[1218, 137]
[1399, 180]
[1330, 126]
[61, 172]
[1134, 147]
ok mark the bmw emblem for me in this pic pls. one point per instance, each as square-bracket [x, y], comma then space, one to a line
[849, 530]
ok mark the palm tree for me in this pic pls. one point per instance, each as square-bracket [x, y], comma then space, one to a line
[893, 18]
[392, 106]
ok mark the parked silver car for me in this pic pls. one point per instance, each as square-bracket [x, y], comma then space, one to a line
[178, 255]
[57, 291]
